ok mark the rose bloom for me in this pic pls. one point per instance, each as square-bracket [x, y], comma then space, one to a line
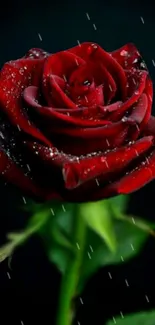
[76, 125]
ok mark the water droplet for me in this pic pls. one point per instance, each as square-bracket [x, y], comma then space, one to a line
[124, 119]
[92, 48]
[86, 83]
[124, 53]
[136, 92]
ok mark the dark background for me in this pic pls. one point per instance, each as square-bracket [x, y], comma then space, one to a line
[30, 296]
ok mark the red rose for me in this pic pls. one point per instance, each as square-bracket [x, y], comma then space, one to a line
[76, 125]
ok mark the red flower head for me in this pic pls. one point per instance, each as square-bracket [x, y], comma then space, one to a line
[76, 125]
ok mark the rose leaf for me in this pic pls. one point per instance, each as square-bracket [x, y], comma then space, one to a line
[144, 318]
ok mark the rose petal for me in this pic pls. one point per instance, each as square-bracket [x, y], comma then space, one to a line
[51, 156]
[50, 114]
[36, 53]
[111, 130]
[131, 182]
[92, 98]
[128, 57]
[137, 178]
[45, 165]
[61, 64]
[149, 93]
[75, 173]
[113, 107]
[91, 139]
[102, 77]
[15, 76]
[138, 115]
[10, 171]
[150, 127]
[56, 95]
[91, 51]
[139, 109]
[141, 79]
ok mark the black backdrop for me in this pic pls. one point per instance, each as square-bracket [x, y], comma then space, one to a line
[30, 296]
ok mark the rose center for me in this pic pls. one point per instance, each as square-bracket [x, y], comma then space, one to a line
[80, 83]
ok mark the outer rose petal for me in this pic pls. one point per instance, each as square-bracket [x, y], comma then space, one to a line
[129, 57]
[75, 173]
[149, 93]
[137, 178]
[141, 81]
[15, 76]
[91, 139]
[150, 127]
[36, 53]
[15, 175]
[139, 109]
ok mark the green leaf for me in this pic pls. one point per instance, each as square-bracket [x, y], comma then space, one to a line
[130, 241]
[120, 202]
[142, 318]
[57, 235]
[59, 256]
[17, 239]
[147, 227]
[117, 207]
[98, 218]
[59, 241]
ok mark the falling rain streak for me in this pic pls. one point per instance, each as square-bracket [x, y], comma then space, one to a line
[63, 208]
[110, 276]
[87, 15]
[126, 281]
[153, 62]
[132, 247]
[94, 26]
[24, 200]
[40, 37]
[121, 314]
[78, 42]
[147, 299]
[81, 300]
[97, 182]
[133, 220]
[9, 276]
[28, 167]
[91, 248]
[142, 19]
[78, 246]
[52, 211]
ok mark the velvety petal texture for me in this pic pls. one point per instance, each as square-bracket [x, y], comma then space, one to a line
[76, 125]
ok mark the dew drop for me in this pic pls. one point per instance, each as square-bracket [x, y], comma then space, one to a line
[92, 48]
[123, 53]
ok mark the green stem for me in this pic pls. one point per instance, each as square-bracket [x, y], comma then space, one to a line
[70, 279]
